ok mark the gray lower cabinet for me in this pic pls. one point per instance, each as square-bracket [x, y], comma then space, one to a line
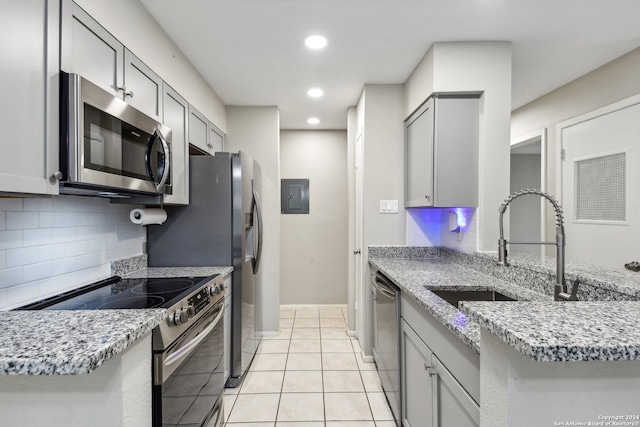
[29, 113]
[175, 116]
[441, 153]
[440, 374]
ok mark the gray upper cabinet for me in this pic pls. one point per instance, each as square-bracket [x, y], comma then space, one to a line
[216, 139]
[175, 116]
[90, 50]
[198, 130]
[29, 78]
[441, 153]
[142, 87]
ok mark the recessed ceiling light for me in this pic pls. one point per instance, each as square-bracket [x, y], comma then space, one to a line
[315, 42]
[313, 120]
[315, 92]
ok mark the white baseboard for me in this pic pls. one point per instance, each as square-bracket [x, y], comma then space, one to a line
[268, 333]
[351, 333]
[367, 359]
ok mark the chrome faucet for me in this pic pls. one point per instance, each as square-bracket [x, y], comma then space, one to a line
[560, 288]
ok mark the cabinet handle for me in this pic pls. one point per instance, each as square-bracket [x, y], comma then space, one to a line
[426, 196]
[356, 252]
[124, 91]
[429, 369]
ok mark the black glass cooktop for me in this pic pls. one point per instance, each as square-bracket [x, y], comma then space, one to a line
[116, 292]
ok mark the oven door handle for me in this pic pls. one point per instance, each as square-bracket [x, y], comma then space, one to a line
[187, 348]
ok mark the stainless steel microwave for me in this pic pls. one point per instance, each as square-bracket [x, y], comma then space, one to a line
[107, 147]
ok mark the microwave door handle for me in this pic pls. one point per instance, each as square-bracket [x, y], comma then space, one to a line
[167, 162]
[147, 157]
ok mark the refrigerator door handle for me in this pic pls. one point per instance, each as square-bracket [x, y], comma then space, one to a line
[258, 224]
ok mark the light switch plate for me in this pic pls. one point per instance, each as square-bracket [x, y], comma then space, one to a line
[389, 206]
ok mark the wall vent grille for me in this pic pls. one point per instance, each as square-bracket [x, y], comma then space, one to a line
[601, 188]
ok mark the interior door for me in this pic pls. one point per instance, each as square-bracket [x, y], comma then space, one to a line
[600, 169]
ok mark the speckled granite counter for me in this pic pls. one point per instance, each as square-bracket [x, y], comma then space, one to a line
[52, 342]
[536, 326]
[178, 272]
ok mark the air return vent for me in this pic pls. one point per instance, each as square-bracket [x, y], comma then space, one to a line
[601, 188]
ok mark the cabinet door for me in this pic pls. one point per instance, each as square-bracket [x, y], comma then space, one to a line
[198, 130]
[216, 139]
[419, 146]
[417, 380]
[142, 87]
[90, 50]
[29, 82]
[175, 116]
[455, 408]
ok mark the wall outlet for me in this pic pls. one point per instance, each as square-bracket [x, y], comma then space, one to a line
[389, 206]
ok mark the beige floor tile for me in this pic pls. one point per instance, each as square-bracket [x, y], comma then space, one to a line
[356, 345]
[287, 313]
[231, 390]
[300, 424]
[365, 366]
[371, 381]
[351, 424]
[255, 408]
[262, 382]
[345, 313]
[306, 323]
[304, 346]
[337, 346]
[286, 323]
[331, 333]
[383, 424]
[331, 313]
[333, 323]
[283, 333]
[302, 382]
[305, 333]
[274, 346]
[304, 362]
[268, 362]
[342, 381]
[339, 362]
[249, 425]
[379, 407]
[227, 401]
[301, 407]
[307, 313]
[347, 407]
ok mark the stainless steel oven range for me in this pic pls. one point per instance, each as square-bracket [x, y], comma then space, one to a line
[188, 348]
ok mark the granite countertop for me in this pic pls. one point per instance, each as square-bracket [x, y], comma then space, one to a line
[536, 326]
[563, 331]
[177, 272]
[51, 342]
[416, 277]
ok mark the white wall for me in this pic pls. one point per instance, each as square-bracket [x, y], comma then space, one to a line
[315, 244]
[133, 26]
[256, 131]
[610, 83]
[50, 245]
[474, 67]
[524, 213]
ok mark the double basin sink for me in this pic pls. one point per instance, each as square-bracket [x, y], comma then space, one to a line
[454, 297]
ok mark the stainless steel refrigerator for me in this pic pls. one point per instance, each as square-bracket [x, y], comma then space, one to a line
[221, 226]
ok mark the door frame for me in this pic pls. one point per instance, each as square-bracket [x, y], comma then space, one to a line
[540, 134]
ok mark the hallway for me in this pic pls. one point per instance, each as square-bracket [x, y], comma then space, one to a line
[310, 375]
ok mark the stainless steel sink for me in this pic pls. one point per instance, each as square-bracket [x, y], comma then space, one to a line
[454, 297]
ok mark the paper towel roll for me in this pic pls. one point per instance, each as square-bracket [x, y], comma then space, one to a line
[148, 216]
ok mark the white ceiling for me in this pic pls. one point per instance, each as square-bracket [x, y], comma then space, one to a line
[251, 52]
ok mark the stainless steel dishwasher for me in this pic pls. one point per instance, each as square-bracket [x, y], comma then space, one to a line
[386, 344]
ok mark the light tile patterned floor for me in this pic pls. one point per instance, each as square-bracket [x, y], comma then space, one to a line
[310, 375]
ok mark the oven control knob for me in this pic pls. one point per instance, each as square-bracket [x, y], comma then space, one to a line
[214, 290]
[183, 315]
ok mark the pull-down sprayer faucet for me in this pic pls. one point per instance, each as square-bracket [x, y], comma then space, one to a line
[560, 288]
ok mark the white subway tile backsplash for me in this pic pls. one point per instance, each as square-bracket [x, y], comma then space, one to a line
[38, 237]
[10, 205]
[33, 272]
[38, 204]
[11, 277]
[22, 256]
[11, 239]
[22, 220]
[49, 245]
